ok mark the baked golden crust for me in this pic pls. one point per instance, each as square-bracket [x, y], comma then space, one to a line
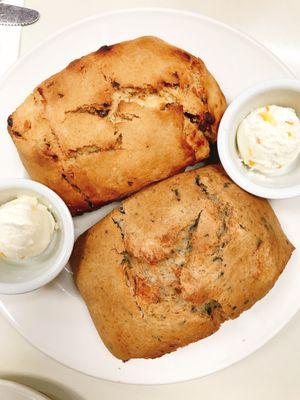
[176, 260]
[116, 120]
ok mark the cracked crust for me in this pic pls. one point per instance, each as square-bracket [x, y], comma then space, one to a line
[176, 260]
[116, 120]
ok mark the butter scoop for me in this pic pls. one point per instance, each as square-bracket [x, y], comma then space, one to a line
[26, 228]
[268, 139]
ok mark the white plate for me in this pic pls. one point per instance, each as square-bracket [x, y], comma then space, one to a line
[54, 318]
[14, 391]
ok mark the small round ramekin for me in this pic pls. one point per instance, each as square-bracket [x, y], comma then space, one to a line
[283, 92]
[26, 275]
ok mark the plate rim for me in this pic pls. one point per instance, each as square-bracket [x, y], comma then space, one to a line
[222, 367]
[27, 390]
[164, 10]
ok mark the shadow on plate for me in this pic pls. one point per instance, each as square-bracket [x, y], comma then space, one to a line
[54, 390]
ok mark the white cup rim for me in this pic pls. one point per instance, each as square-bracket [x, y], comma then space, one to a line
[224, 147]
[67, 237]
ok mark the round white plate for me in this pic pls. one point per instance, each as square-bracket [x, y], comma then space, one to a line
[55, 318]
[14, 391]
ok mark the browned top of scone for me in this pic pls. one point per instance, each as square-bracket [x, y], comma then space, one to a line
[117, 119]
[177, 259]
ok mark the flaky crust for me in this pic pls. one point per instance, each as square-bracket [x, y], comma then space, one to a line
[116, 120]
[176, 260]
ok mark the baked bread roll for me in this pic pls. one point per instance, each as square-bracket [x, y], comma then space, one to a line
[176, 260]
[116, 120]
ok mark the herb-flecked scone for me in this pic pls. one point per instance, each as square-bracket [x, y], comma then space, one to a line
[176, 260]
[116, 120]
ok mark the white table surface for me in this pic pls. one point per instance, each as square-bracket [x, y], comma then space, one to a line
[272, 372]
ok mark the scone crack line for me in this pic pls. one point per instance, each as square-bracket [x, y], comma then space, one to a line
[147, 96]
[99, 110]
[120, 225]
[195, 224]
[225, 213]
[126, 258]
[92, 149]
[68, 177]
[183, 249]
[176, 193]
[119, 222]
[48, 150]
[204, 189]
[201, 185]
[126, 264]
[193, 118]
[57, 141]
[84, 150]
[138, 306]
[204, 120]
[122, 209]
[122, 117]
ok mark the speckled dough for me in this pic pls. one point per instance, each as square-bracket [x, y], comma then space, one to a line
[116, 120]
[176, 260]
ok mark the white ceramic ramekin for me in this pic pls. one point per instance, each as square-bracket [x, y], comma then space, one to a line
[27, 275]
[283, 92]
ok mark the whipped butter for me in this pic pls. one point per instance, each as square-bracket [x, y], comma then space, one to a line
[268, 139]
[26, 228]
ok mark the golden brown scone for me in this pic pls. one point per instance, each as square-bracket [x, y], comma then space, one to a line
[116, 120]
[176, 260]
